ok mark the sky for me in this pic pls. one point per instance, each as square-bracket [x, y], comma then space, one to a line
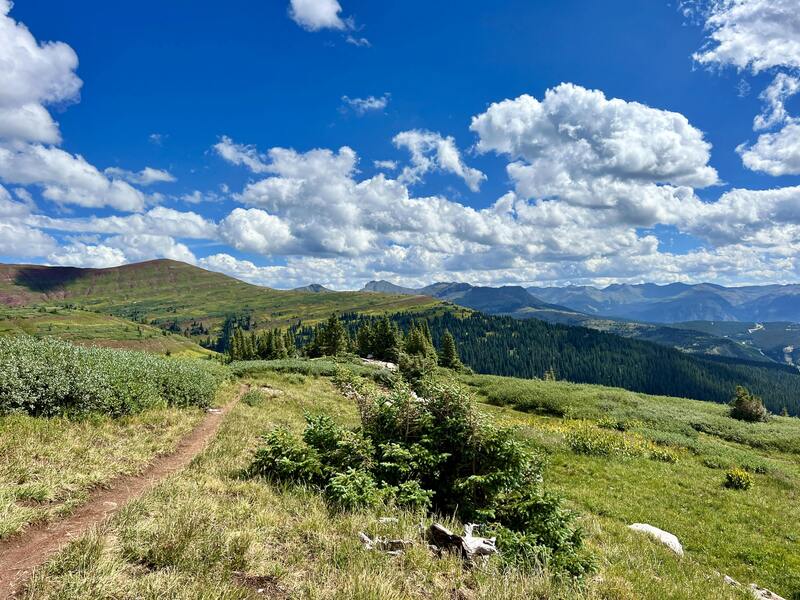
[511, 142]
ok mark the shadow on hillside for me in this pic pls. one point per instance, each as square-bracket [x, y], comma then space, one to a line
[47, 279]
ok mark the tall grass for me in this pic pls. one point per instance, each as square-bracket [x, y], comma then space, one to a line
[49, 377]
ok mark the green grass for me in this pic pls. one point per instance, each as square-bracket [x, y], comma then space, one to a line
[751, 535]
[94, 329]
[206, 532]
[48, 466]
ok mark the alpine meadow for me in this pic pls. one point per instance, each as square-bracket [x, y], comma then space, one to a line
[338, 299]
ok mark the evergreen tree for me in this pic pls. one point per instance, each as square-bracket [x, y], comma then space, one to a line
[279, 347]
[448, 357]
[365, 340]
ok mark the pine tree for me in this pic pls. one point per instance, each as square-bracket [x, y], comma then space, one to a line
[448, 357]
[334, 339]
[365, 340]
[279, 347]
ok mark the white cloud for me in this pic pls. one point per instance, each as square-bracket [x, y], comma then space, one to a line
[362, 106]
[430, 151]
[157, 221]
[240, 154]
[143, 246]
[255, 230]
[388, 165]
[774, 153]
[157, 139]
[314, 15]
[66, 178]
[87, 256]
[752, 34]
[774, 97]
[32, 75]
[587, 150]
[146, 176]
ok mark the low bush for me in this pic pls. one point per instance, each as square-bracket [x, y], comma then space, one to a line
[253, 398]
[49, 377]
[433, 451]
[591, 440]
[748, 407]
[738, 479]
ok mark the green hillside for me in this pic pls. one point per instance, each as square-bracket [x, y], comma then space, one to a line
[94, 329]
[183, 297]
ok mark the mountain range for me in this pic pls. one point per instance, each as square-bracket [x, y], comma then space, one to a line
[698, 319]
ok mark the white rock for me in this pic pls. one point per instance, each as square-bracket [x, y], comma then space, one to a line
[763, 594]
[666, 538]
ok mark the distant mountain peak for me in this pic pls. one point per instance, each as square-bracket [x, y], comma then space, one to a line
[314, 288]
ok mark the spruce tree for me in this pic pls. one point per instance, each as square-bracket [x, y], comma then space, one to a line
[448, 357]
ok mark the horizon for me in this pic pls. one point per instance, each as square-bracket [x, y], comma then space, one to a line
[360, 289]
[547, 145]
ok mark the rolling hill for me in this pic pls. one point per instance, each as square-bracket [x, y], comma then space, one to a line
[182, 297]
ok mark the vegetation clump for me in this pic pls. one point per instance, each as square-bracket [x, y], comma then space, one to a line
[738, 479]
[48, 377]
[432, 452]
[748, 407]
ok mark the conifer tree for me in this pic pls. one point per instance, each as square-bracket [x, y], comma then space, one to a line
[448, 357]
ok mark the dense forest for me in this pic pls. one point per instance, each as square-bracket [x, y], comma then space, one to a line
[507, 346]
[536, 349]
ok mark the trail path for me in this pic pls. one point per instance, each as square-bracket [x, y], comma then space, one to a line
[22, 553]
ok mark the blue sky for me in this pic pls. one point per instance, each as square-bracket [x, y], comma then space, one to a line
[646, 167]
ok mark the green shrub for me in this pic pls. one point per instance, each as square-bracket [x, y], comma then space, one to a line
[663, 454]
[748, 407]
[49, 377]
[253, 398]
[284, 457]
[587, 439]
[738, 479]
[353, 489]
[432, 451]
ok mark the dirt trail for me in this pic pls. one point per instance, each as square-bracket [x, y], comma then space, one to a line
[21, 553]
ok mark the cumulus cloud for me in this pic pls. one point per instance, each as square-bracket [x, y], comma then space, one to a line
[240, 154]
[157, 221]
[774, 153]
[430, 151]
[255, 230]
[752, 34]
[585, 149]
[66, 178]
[143, 246]
[361, 106]
[87, 256]
[314, 15]
[32, 75]
[774, 97]
[146, 176]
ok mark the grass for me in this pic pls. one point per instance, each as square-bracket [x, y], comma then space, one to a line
[210, 533]
[48, 466]
[751, 535]
[94, 329]
[166, 292]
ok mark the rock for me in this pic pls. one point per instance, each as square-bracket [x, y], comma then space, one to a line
[763, 594]
[469, 546]
[384, 545]
[666, 538]
[731, 581]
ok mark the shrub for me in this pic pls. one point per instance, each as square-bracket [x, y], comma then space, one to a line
[738, 479]
[353, 489]
[49, 377]
[748, 407]
[284, 457]
[587, 439]
[432, 451]
[663, 454]
[253, 398]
